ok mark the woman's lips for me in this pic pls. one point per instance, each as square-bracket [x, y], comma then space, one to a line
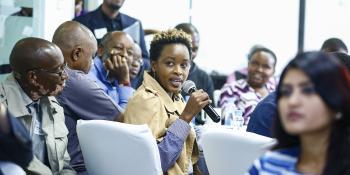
[293, 116]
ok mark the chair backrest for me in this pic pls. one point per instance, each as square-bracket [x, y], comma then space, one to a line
[117, 148]
[232, 152]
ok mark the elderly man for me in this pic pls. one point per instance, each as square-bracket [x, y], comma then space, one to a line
[82, 98]
[38, 75]
[111, 66]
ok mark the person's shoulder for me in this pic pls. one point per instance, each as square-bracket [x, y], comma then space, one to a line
[86, 17]
[285, 155]
[128, 17]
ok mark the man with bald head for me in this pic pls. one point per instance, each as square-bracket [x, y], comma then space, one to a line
[38, 75]
[82, 98]
[111, 66]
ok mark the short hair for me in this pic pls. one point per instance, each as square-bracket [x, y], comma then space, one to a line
[187, 27]
[334, 45]
[332, 83]
[262, 49]
[171, 36]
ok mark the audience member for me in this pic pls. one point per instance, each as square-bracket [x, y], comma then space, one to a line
[245, 94]
[334, 45]
[111, 66]
[264, 114]
[136, 67]
[79, 8]
[107, 18]
[28, 92]
[196, 74]
[15, 145]
[81, 98]
[313, 124]
[159, 104]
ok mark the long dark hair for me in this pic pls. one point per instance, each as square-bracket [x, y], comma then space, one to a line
[331, 80]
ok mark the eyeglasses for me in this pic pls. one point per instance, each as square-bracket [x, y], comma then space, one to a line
[137, 60]
[61, 69]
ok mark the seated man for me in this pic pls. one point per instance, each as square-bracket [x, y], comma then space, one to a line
[82, 98]
[111, 66]
[38, 75]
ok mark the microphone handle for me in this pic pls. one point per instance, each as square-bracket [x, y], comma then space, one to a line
[212, 113]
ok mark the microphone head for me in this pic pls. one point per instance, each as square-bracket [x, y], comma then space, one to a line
[188, 85]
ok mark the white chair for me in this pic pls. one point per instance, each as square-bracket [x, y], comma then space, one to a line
[232, 152]
[117, 148]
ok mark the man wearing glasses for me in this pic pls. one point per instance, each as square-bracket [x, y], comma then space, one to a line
[38, 75]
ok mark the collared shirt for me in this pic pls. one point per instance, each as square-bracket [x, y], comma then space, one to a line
[281, 161]
[152, 105]
[82, 98]
[36, 132]
[120, 94]
[242, 96]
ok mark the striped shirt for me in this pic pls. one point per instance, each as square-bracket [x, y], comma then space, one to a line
[278, 162]
[242, 96]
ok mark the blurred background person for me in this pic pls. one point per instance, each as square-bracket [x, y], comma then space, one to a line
[79, 8]
[159, 104]
[245, 94]
[108, 18]
[313, 123]
[334, 45]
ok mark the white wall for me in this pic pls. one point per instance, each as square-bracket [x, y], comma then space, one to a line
[326, 19]
[224, 45]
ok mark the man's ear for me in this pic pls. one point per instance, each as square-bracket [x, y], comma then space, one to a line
[77, 53]
[31, 77]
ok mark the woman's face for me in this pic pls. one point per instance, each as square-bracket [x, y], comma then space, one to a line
[301, 109]
[172, 67]
[260, 68]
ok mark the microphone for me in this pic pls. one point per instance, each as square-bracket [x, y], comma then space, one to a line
[189, 87]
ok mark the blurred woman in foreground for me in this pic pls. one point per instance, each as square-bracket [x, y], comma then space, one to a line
[313, 127]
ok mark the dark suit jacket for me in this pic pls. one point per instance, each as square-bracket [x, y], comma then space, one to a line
[95, 20]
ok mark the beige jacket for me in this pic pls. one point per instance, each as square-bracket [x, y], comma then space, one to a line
[53, 126]
[151, 105]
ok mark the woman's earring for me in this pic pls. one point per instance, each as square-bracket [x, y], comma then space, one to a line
[338, 116]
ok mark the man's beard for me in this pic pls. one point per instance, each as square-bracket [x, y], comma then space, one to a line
[114, 7]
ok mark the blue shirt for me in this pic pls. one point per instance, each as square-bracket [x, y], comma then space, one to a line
[119, 94]
[82, 98]
[263, 116]
[278, 162]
